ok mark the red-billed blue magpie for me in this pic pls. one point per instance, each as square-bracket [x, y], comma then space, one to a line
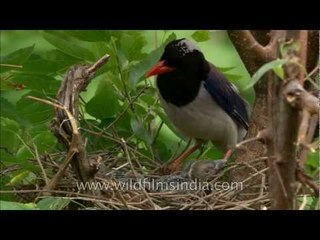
[198, 99]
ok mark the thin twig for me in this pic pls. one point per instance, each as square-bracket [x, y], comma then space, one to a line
[128, 157]
[135, 173]
[55, 180]
[312, 127]
[70, 116]
[276, 169]
[121, 74]
[306, 180]
[10, 65]
[304, 203]
[98, 64]
[130, 103]
[46, 180]
[249, 140]
[311, 73]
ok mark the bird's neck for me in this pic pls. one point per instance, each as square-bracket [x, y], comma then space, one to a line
[179, 88]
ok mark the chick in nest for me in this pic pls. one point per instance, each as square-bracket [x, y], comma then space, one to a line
[203, 170]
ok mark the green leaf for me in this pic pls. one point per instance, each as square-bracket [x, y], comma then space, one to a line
[14, 96]
[201, 35]
[149, 98]
[168, 123]
[141, 131]
[123, 125]
[16, 58]
[51, 62]
[122, 59]
[232, 77]
[139, 70]
[265, 68]
[91, 35]
[105, 103]
[313, 159]
[44, 141]
[34, 113]
[101, 48]
[43, 84]
[53, 203]
[68, 46]
[25, 176]
[5, 205]
[9, 129]
[58, 56]
[279, 71]
[213, 153]
[162, 150]
[225, 69]
[131, 44]
[9, 110]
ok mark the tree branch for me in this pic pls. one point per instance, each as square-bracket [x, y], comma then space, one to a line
[300, 99]
[249, 50]
[303, 52]
[278, 104]
[313, 50]
[65, 125]
[255, 53]
[261, 36]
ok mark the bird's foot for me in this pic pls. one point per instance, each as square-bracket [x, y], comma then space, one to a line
[228, 154]
[162, 170]
[177, 163]
[175, 166]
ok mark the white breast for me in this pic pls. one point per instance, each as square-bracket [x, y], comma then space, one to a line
[204, 119]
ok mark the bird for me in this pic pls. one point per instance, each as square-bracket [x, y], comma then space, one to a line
[203, 170]
[198, 99]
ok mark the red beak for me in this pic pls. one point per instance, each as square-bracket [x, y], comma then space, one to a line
[159, 68]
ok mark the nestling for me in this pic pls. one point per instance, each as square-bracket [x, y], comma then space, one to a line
[198, 99]
[203, 170]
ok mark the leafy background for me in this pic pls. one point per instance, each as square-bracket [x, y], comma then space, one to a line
[119, 101]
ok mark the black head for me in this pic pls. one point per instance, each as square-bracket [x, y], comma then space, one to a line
[180, 71]
[181, 56]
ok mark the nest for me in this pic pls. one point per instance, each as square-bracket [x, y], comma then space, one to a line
[116, 175]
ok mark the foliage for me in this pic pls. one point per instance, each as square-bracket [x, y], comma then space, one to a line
[275, 65]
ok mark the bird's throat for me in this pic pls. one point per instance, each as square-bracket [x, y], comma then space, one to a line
[178, 89]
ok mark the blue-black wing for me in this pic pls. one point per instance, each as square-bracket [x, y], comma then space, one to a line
[226, 96]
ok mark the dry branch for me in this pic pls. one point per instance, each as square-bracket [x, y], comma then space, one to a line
[308, 181]
[308, 139]
[290, 123]
[282, 103]
[251, 52]
[256, 48]
[65, 125]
